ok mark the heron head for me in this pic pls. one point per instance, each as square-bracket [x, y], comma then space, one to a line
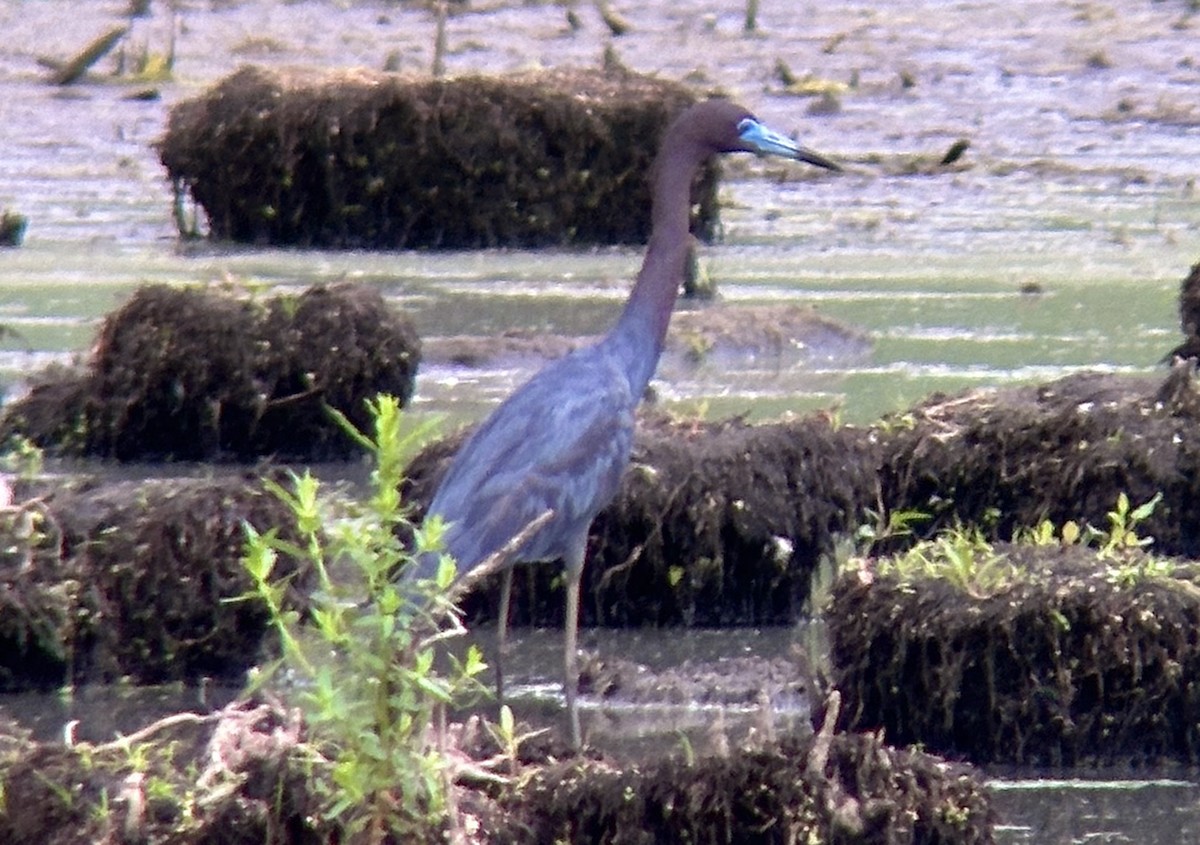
[757, 137]
[727, 127]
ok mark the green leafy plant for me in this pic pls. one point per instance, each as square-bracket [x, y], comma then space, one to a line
[1122, 526]
[961, 556]
[1120, 537]
[1128, 573]
[1046, 533]
[885, 526]
[506, 735]
[366, 670]
[1121, 546]
[22, 457]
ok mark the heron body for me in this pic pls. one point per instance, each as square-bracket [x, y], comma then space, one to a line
[562, 441]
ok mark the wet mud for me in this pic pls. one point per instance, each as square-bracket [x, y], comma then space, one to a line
[718, 335]
[748, 681]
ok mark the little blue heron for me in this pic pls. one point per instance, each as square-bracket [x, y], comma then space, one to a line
[561, 442]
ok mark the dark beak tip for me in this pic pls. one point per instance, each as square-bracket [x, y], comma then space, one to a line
[822, 162]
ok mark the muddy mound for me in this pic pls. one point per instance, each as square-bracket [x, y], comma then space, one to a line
[1066, 659]
[173, 374]
[854, 789]
[767, 335]
[193, 374]
[337, 345]
[722, 336]
[512, 348]
[133, 580]
[360, 159]
[1064, 450]
[715, 524]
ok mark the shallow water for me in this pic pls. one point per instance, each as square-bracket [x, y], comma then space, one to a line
[1079, 185]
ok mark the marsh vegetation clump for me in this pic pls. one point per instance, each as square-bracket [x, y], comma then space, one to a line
[359, 159]
[840, 788]
[188, 373]
[1004, 459]
[1068, 647]
[132, 580]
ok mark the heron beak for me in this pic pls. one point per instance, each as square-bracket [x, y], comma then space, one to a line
[766, 141]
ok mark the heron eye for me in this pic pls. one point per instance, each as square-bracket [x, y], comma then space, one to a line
[745, 123]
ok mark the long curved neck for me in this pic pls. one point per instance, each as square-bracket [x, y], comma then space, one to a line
[639, 333]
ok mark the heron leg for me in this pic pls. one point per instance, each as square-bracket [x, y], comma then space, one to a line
[570, 636]
[502, 631]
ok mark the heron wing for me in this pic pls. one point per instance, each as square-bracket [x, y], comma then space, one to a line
[560, 442]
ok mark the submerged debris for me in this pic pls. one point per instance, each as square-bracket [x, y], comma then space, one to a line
[360, 159]
[192, 374]
[12, 228]
[65, 73]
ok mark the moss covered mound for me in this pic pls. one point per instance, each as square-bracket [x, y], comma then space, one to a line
[715, 524]
[359, 159]
[1062, 450]
[134, 580]
[196, 374]
[866, 792]
[1067, 659]
[173, 374]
